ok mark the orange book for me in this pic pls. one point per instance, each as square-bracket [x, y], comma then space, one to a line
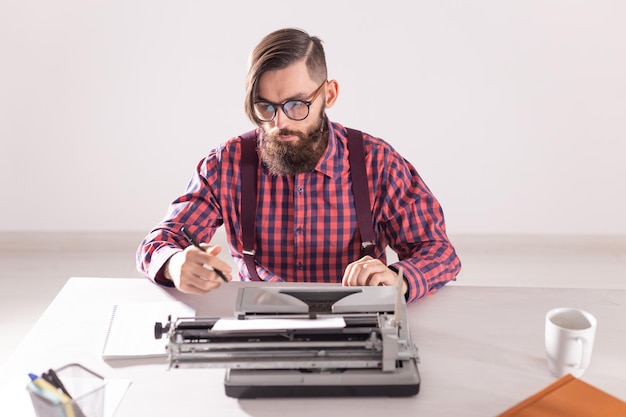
[568, 396]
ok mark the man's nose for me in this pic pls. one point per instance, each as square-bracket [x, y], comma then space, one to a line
[281, 120]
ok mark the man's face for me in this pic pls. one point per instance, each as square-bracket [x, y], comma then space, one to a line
[292, 146]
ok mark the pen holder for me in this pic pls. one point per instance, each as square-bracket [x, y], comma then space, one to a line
[85, 387]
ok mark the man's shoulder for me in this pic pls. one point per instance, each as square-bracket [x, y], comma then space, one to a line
[228, 150]
[368, 138]
[250, 134]
[233, 144]
[371, 144]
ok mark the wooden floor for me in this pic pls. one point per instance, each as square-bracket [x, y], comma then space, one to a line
[34, 266]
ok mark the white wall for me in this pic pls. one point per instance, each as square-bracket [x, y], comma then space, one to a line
[513, 111]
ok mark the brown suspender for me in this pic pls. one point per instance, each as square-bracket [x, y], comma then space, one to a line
[249, 167]
[360, 192]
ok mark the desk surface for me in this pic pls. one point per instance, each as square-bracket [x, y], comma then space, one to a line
[481, 351]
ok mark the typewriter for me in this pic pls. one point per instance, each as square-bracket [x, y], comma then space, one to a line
[307, 341]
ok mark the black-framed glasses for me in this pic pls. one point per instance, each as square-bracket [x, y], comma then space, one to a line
[293, 109]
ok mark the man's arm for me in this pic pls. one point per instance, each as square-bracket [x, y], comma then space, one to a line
[196, 210]
[413, 222]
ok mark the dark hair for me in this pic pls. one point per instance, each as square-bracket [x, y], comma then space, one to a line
[277, 51]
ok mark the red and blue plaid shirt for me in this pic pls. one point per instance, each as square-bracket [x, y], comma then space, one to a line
[306, 227]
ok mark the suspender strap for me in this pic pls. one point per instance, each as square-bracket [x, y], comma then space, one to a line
[360, 192]
[249, 168]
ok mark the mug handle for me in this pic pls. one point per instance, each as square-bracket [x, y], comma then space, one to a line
[581, 342]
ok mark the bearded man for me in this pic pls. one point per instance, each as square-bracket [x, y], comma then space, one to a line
[304, 219]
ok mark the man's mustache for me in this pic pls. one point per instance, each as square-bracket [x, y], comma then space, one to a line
[285, 132]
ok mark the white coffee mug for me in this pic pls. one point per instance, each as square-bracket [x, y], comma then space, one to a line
[570, 333]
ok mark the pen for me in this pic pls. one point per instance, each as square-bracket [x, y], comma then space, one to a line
[49, 391]
[53, 378]
[194, 242]
[51, 396]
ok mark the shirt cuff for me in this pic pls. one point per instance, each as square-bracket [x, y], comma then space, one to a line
[408, 284]
[157, 265]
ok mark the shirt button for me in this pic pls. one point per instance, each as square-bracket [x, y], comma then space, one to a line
[300, 189]
[300, 266]
[299, 230]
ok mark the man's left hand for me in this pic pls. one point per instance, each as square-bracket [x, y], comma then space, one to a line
[368, 271]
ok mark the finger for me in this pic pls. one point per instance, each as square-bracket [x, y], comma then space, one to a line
[345, 280]
[217, 271]
[212, 249]
[213, 262]
[194, 276]
[357, 272]
[196, 283]
[371, 273]
[375, 279]
[216, 274]
[351, 273]
[352, 270]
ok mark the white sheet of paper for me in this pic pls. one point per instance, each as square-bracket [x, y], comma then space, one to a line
[279, 324]
[113, 394]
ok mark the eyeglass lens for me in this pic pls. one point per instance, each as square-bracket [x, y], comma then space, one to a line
[294, 109]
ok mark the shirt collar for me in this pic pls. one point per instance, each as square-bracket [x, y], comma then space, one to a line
[331, 162]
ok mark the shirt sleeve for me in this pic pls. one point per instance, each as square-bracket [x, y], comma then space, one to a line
[414, 224]
[196, 209]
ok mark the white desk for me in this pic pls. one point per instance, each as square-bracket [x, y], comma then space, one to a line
[481, 351]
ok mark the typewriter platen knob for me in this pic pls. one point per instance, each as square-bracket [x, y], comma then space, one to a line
[160, 330]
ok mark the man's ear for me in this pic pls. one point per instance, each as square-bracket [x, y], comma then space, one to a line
[332, 91]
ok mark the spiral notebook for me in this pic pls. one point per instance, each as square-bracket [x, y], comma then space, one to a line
[130, 332]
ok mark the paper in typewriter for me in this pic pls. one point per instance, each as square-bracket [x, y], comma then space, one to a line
[130, 332]
[279, 324]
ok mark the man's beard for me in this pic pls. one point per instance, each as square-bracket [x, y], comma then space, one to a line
[287, 158]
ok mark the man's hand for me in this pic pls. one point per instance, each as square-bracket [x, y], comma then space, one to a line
[368, 271]
[187, 269]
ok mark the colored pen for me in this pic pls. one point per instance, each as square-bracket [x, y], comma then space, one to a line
[52, 377]
[194, 242]
[49, 391]
[51, 396]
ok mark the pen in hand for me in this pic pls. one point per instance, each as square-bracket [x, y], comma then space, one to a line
[194, 242]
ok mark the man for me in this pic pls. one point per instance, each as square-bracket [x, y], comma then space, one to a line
[305, 227]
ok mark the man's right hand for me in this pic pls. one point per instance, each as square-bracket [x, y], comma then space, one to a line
[187, 269]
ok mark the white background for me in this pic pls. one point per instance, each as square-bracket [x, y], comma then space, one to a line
[513, 112]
